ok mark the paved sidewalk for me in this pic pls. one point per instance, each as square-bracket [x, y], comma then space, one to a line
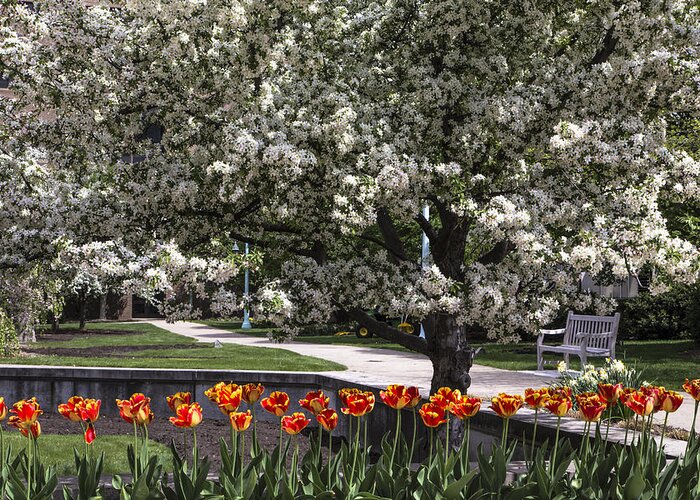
[380, 367]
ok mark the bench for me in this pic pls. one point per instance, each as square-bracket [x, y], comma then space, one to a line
[584, 336]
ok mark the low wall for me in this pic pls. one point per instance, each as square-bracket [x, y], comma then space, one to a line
[53, 385]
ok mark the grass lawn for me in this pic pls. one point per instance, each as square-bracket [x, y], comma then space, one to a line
[667, 363]
[152, 347]
[58, 450]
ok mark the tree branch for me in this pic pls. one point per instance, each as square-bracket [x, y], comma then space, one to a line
[499, 252]
[390, 235]
[427, 228]
[388, 332]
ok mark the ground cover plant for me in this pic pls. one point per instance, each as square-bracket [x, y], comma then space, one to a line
[141, 345]
[635, 469]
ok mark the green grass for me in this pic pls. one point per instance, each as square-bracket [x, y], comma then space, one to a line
[58, 450]
[181, 355]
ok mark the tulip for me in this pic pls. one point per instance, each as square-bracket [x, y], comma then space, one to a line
[213, 392]
[178, 399]
[296, 422]
[609, 393]
[187, 416]
[559, 404]
[3, 415]
[26, 412]
[251, 393]
[240, 421]
[34, 430]
[90, 434]
[655, 392]
[276, 403]
[670, 402]
[229, 398]
[692, 387]
[464, 408]
[396, 397]
[90, 410]
[3, 409]
[444, 396]
[359, 404]
[535, 398]
[136, 409]
[71, 409]
[328, 418]
[413, 393]
[315, 402]
[640, 403]
[344, 393]
[591, 407]
[433, 415]
[506, 405]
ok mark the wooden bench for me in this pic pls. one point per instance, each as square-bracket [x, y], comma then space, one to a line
[585, 336]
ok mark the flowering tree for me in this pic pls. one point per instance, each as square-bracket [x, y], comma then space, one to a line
[317, 131]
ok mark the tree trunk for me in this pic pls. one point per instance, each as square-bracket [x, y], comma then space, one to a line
[55, 324]
[103, 306]
[450, 353]
[82, 302]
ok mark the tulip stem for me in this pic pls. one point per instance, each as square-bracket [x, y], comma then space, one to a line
[465, 445]
[242, 459]
[627, 430]
[137, 457]
[330, 456]
[365, 450]
[430, 454]
[556, 446]
[413, 443]
[691, 436]
[607, 429]
[534, 436]
[29, 465]
[194, 455]
[396, 439]
[256, 446]
[663, 432]
[504, 438]
[354, 454]
[320, 439]
[584, 439]
[234, 451]
[447, 438]
[2, 456]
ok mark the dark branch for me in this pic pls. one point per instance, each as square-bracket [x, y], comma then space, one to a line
[427, 228]
[499, 252]
[390, 235]
[388, 332]
[609, 44]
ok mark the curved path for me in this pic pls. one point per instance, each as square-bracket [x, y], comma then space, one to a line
[380, 367]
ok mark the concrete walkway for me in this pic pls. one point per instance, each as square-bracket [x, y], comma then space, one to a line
[381, 367]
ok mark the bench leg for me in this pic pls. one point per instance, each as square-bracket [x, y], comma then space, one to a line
[584, 360]
[540, 361]
[566, 360]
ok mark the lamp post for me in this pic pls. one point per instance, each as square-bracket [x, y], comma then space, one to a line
[246, 290]
[425, 253]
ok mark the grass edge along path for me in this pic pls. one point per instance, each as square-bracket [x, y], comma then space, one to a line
[167, 350]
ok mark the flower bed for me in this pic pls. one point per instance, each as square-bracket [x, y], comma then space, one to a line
[595, 469]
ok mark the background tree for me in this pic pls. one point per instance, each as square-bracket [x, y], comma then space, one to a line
[318, 130]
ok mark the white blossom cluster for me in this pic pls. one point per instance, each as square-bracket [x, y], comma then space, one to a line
[318, 131]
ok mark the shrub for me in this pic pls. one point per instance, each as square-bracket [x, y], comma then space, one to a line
[662, 316]
[9, 343]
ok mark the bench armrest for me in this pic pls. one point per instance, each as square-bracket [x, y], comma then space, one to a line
[558, 331]
[594, 335]
[543, 332]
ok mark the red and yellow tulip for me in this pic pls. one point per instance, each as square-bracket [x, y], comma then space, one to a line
[433, 415]
[276, 403]
[692, 387]
[465, 407]
[328, 418]
[136, 409]
[251, 393]
[414, 394]
[71, 409]
[344, 393]
[3, 409]
[315, 402]
[187, 416]
[444, 396]
[535, 398]
[229, 398]
[609, 393]
[671, 401]
[640, 403]
[240, 421]
[26, 413]
[359, 404]
[178, 399]
[558, 404]
[506, 405]
[591, 406]
[397, 396]
[294, 423]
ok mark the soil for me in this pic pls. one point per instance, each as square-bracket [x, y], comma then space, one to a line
[161, 430]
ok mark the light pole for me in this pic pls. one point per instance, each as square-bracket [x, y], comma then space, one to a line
[424, 253]
[246, 290]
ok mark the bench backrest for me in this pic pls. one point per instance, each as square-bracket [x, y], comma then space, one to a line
[582, 323]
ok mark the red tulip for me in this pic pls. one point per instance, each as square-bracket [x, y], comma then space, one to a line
[413, 393]
[187, 416]
[396, 397]
[535, 398]
[90, 434]
[3, 409]
[671, 401]
[610, 393]
[640, 403]
[445, 396]
[240, 421]
[344, 393]
[465, 407]
[559, 404]
[591, 406]
[136, 409]
[276, 403]
[359, 404]
[295, 423]
[26, 412]
[506, 405]
[229, 398]
[251, 393]
[71, 409]
[178, 399]
[315, 402]
[692, 387]
[432, 415]
[328, 419]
